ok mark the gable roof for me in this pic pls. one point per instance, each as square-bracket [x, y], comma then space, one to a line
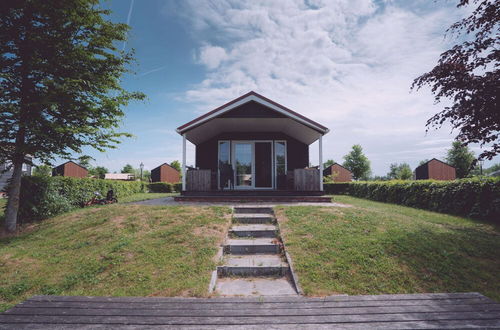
[70, 161]
[252, 96]
[427, 162]
[165, 164]
[338, 165]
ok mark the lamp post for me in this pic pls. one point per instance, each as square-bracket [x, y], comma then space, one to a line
[141, 166]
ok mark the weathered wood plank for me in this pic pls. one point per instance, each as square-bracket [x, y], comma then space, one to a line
[253, 312]
[194, 320]
[306, 179]
[425, 296]
[198, 180]
[287, 305]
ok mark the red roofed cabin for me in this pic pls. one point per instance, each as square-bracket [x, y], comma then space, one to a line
[70, 169]
[252, 144]
[338, 172]
[165, 173]
[436, 170]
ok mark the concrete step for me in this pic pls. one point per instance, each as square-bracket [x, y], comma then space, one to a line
[252, 246]
[254, 230]
[253, 265]
[253, 209]
[254, 287]
[252, 218]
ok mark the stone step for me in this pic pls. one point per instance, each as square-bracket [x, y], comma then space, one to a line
[252, 218]
[254, 230]
[253, 209]
[255, 287]
[252, 246]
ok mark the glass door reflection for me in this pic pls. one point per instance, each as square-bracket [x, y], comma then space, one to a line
[243, 164]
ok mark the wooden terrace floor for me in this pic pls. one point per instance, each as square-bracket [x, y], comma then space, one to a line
[456, 310]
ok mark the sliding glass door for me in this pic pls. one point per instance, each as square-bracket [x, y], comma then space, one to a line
[243, 164]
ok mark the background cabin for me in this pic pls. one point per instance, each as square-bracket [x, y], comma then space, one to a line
[6, 173]
[436, 170]
[70, 169]
[165, 173]
[338, 173]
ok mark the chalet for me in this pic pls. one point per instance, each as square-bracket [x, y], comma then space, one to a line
[70, 169]
[252, 144]
[119, 176]
[436, 170]
[338, 172]
[165, 173]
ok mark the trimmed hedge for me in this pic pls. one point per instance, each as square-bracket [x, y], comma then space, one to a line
[164, 187]
[44, 197]
[474, 198]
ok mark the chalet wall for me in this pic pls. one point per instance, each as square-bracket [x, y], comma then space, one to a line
[342, 174]
[165, 173]
[441, 171]
[297, 152]
[70, 169]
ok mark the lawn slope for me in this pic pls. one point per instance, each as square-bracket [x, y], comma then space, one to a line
[117, 250]
[375, 248]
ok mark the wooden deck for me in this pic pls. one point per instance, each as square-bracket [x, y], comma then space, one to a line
[458, 310]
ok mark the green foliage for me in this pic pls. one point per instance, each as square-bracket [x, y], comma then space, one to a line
[339, 188]
[475, 198]
[460, 157]
[164, 187]
[357, 163]
[329, 162]
[128, 169]
[400, 172]
[42, 170]
[176, 164]
[99, 171]
[44, 197]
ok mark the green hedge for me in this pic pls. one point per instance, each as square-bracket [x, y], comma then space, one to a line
[44, 197]
[164, 187]
[475, 198]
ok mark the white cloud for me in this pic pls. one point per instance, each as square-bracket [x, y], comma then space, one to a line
[212, 56]
[348, 64]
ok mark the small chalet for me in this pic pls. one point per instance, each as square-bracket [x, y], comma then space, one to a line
[70, 169]
[436, 170]
[338, 173]
[165, 173]
[252, 144]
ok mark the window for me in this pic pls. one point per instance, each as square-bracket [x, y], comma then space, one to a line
[280, 163]
[224, 162]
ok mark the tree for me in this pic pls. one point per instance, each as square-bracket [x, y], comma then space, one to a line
[460, 157]
[42, 170]
[357, 163]
[468, 74]
[329, 162]
[99, 171]
[128, 169]
[422, 162]
[400, 171]
[85, 161]
[176, 164]
[60, 83]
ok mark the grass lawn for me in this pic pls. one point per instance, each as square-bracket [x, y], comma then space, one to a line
[144, 196]
[117, 250]
[376, 248]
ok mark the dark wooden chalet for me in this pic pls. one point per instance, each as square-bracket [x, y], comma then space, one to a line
[338, 172]
[435, 169]
[70, 169]
[165, 173]
[252, 144]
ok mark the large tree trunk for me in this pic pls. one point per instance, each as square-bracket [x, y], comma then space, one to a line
[13, 193]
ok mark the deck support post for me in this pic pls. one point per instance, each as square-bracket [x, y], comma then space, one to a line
[183, 162]
[321, 162]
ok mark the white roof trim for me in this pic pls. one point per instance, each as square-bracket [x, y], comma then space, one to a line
[258, 100]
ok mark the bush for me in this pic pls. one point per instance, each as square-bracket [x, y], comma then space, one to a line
[160, 187]
[475, 198]
[340, 188]
[178, 187]
[44, 197]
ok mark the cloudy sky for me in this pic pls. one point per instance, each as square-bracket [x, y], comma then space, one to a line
[347, 64]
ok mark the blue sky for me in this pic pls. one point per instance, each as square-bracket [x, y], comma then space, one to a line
[347, 64]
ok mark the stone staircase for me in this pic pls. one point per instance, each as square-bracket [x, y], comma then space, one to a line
[253, 260]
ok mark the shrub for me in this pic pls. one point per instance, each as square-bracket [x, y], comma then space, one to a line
[340, 188]
[475, 198]
[160, 187]
[44, 197]
[178, 187]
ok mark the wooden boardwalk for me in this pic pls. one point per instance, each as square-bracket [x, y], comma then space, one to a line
[458, 310]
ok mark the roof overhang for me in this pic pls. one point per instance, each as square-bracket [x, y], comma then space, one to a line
[291, 123]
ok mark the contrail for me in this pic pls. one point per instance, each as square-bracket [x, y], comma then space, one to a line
[128, 20]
